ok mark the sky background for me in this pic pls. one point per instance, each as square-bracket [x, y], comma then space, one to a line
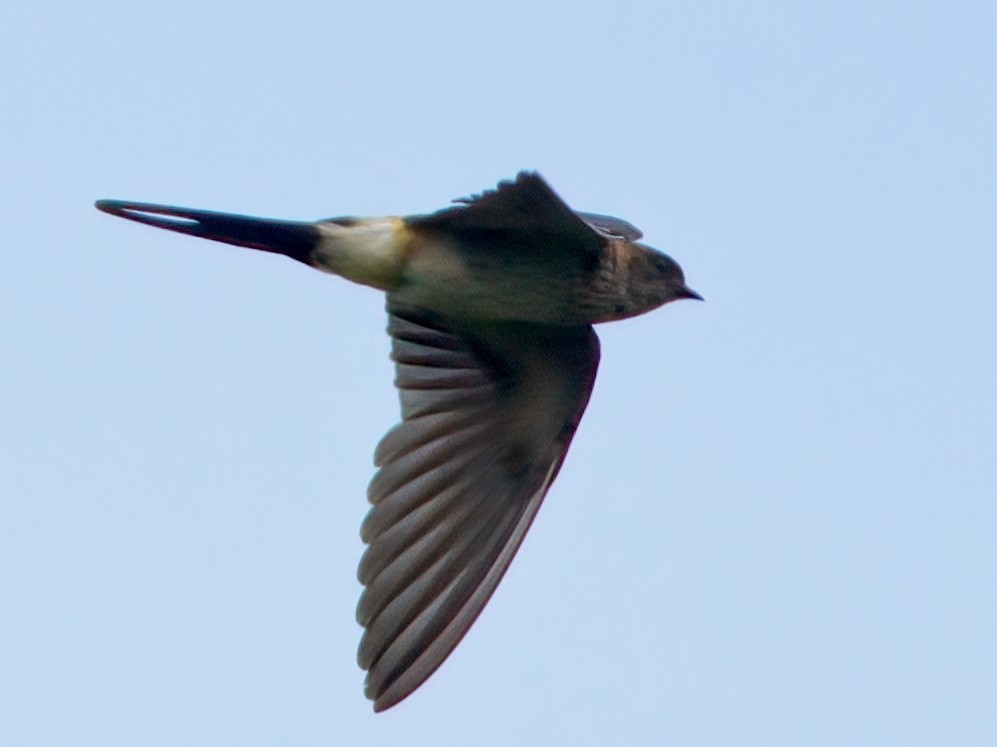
[778, 521]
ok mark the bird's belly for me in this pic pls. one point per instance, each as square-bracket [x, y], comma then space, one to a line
[441, 278]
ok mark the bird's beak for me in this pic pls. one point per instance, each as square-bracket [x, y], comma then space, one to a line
[291, 238]
[690, 293]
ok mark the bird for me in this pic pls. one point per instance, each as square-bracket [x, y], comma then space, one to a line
[491, 303]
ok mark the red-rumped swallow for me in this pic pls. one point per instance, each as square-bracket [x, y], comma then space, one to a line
[490, 305]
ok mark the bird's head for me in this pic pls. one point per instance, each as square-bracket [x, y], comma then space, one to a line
[658, 277]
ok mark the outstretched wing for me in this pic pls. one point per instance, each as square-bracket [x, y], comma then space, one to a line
[524, 215]
[487, 417]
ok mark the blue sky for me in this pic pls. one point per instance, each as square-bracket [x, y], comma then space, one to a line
[777, 522]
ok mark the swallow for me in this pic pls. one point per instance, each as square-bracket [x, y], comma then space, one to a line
[490, 304]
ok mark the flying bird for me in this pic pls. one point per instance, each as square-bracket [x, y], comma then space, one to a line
[490, 303]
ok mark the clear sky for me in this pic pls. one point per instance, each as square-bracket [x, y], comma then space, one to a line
[778, 521]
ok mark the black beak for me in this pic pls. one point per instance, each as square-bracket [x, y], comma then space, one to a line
[690, 293]
[290, 238]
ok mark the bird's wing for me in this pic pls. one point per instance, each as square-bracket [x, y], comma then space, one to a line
[524, 214]
[487, 418]
[612, 226]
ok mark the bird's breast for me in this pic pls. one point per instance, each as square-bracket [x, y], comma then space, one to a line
[468, 282]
